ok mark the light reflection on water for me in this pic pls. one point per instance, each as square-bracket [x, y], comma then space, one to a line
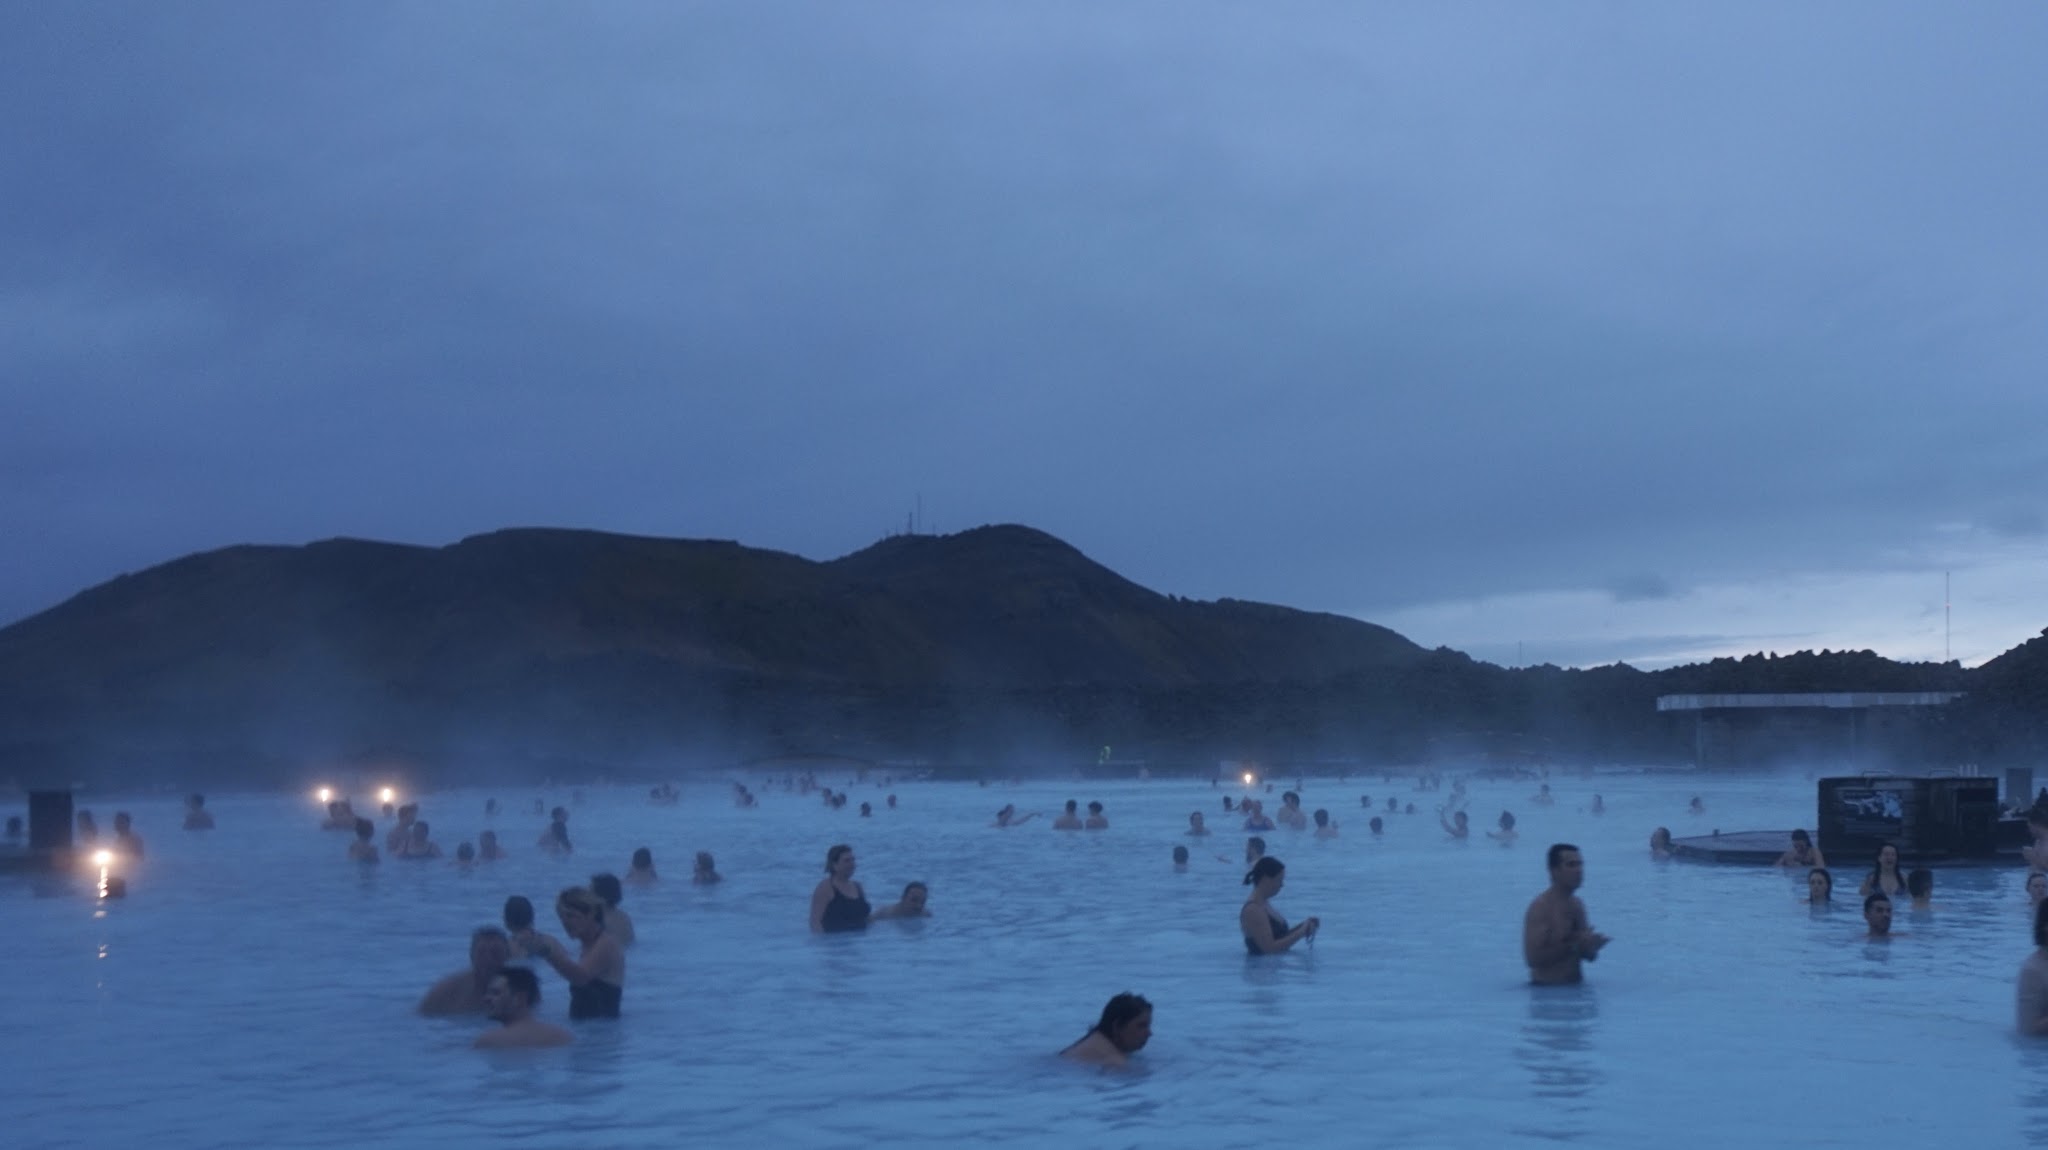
[256, 988]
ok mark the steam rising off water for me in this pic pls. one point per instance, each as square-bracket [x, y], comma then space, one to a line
[255, 988]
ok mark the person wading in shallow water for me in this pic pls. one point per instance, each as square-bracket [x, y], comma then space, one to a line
[839, 905]
[1123, 1030]
[597, 977]
[1556, 937]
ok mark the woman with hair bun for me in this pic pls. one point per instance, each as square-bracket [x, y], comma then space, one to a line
[597, 980]
[1265, 932]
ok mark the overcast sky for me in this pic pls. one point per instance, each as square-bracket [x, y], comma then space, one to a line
[1615, 331]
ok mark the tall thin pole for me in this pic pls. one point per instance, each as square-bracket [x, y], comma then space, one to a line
[1947, 622]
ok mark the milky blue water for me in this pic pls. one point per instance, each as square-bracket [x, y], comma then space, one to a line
[257, 989]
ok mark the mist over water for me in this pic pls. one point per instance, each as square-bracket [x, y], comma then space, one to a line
[255, 988]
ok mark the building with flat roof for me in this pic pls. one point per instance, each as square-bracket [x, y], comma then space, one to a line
[1858, 730]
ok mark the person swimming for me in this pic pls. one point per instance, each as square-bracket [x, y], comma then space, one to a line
[1877, 915]
[1265, 932]
[463, 991]
[1008, 817]
[1543, 797]
[1920, 888]
[364, 848]
[555, 839]
[1123, 1030]
[1696, 807]
[487, 848]
[706, 870]
[1180, 857]
[1660, 844]
[1291, 814]
[1255, 816]
[1377, 824]
[399, 838]
[465, 855]
[1455, 825]
[1195, 824]
[617, 923]
[1070, 819]
[197, 818]
[509, 999]
[597, 977]
[420, 845]
[1095, 821]
[641, 873]
[1325, 829]
[838, 904]
[1254, 850]
[911, 905]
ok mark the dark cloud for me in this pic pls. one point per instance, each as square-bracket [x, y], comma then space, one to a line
[1350, 308]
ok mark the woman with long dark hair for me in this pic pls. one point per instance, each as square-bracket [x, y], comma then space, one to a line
[1265, 932]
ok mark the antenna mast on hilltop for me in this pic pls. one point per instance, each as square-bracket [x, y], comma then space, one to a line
[1947, 622]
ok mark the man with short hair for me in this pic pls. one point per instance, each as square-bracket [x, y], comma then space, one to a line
[1877, 914]
[463, 991]
[1069, 819]
[509, 998]
[1556, 938]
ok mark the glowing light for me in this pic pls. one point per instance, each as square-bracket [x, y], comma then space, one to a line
[326, 794]
[387, 795]
[102, 858]
[1247, 778]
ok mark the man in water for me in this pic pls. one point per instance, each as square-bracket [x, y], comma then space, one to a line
[1124, 1029]
[1877, 914]
[509, 998]
[1070, 819]
[463, 991]
[1556, 937]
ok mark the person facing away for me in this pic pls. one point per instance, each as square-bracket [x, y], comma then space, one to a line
[509, 999]
[1123, 1030]
[126, 841]
[197, 817]
[1801, 852]
[1096, 821]
[1325, 829]
[463, 991]
[1180, 857]
[400, 836]
[2033, 997]
[617, 923]
[705, 871]
[1556, 937]
[1069, 819]
[912, 904]
[838, 904]
[1506, 834]
[364, 848]
[487, 848]
[1660, 844]
[1920, 888]
[1290, 811]
[555, 839]
[1265, 932]
[641, 873]
[1377, 824]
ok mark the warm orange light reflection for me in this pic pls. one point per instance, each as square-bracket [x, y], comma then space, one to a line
[326, 794]
[102, 858]
[1247, 778]
[387, 795]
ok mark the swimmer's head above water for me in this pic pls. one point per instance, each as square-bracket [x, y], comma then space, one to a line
[839, 861]
[1820, 885]
[1377, 824]
[518, 914]
[1127, 1022]
[643, 859]
[1180, 856]
[1877, 912]
[581, 912]
[608, 888]
[1254, 849]
[1322, 817]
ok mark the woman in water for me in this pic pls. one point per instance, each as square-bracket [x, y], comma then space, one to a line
[1008, 817]
[1254, 850]
[1123, 1030]
[839, 904]
[1195, 825]
[1885, 876]
[706, 871]
[419, 846]
[1801, 852]
[555, 839]
[1660, 844]
[597, 977]
[1255, 816]
[1265, 932]
[617, 922]
[2037, 887]
[642, 870]
[1820, 886]
[487, 848]
[1506, 834]
[1325, 829]
[915, 895]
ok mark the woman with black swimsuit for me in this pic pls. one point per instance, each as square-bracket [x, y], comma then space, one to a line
[1265, 932]
[839, 904]
[597, 982]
